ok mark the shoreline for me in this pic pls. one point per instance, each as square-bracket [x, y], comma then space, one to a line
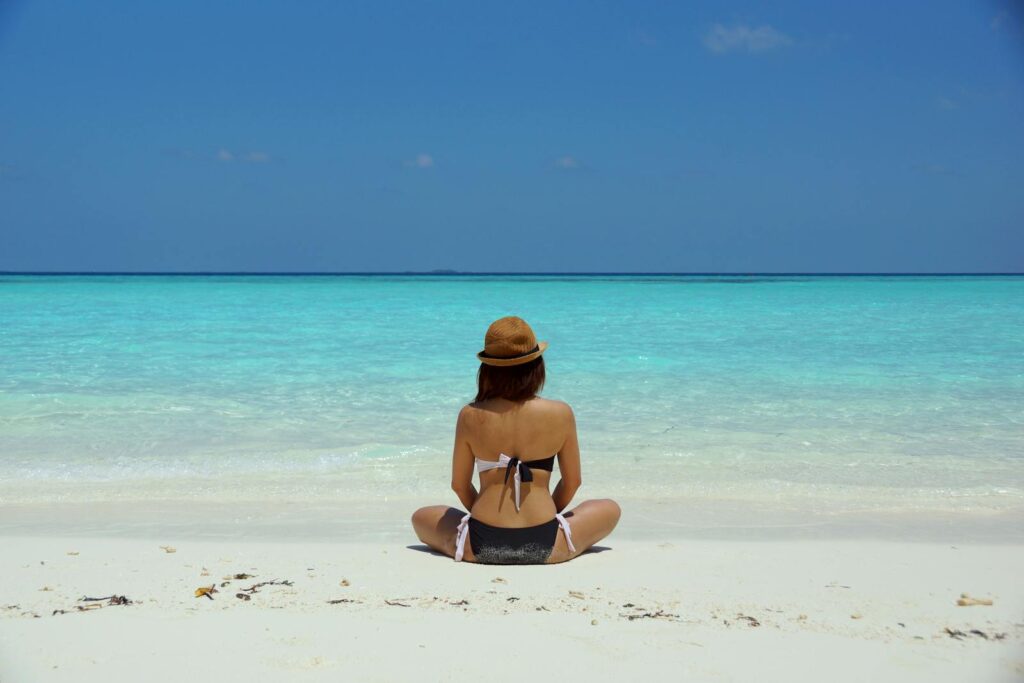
[388, 521]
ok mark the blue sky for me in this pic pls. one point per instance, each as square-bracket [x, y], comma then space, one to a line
[548, 136]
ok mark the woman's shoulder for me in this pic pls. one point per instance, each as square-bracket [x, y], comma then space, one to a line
[551, 406]
[549, 412]
[536, 405]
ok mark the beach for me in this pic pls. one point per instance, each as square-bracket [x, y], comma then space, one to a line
[812, 471]
[795, 610]
[348, 591]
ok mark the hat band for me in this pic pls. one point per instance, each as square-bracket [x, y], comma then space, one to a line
[484, 354]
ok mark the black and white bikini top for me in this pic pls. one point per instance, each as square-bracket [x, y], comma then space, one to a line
[519, 470]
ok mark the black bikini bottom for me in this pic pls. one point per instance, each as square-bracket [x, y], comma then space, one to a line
[503, 545]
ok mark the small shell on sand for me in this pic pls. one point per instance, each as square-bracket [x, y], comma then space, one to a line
[967, 601]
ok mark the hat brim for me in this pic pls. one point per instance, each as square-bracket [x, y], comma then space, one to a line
[518, 360]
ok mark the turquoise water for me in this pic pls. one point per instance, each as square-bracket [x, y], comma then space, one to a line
[880, 393]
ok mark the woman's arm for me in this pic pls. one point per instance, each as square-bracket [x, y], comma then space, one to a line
[462, 463]
[568, 466]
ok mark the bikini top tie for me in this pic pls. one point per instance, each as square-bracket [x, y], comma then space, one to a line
[519, 470]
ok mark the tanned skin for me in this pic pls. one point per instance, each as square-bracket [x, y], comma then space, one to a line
[532, 430]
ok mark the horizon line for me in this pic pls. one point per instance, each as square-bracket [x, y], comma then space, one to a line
[446, 272]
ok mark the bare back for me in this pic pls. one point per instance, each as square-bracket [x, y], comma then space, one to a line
[533, 430]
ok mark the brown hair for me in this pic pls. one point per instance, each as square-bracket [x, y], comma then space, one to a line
[515, 382]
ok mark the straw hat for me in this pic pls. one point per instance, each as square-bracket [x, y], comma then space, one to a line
[510, 341]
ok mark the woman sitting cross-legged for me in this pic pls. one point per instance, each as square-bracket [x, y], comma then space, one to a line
[514, 437]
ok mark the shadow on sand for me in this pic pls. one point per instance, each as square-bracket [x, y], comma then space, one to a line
[419, 547]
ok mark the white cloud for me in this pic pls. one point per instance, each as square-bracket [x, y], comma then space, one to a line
[742, 38]
[946, 103]
[567, 162]
[421, 161]
[226, 155]
[256, 157]
[998, 20]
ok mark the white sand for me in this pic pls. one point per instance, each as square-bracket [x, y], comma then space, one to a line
[828, 610]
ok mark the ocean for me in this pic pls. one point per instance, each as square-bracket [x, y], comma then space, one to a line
[877, 393]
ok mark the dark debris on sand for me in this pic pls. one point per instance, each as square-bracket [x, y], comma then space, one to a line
[957, 634]
[643, 613]
[650, 615]
[111, 600]
[253, 589]
[95, 603]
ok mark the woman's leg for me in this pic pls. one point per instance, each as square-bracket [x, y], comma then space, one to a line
[437, 525]
[590, 521]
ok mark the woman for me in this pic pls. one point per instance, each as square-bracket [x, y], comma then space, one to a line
[514, 437]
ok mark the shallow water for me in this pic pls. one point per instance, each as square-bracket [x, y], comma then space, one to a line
[851, 393]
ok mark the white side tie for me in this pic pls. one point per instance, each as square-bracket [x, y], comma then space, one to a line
[460, 537]
[564, 523]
